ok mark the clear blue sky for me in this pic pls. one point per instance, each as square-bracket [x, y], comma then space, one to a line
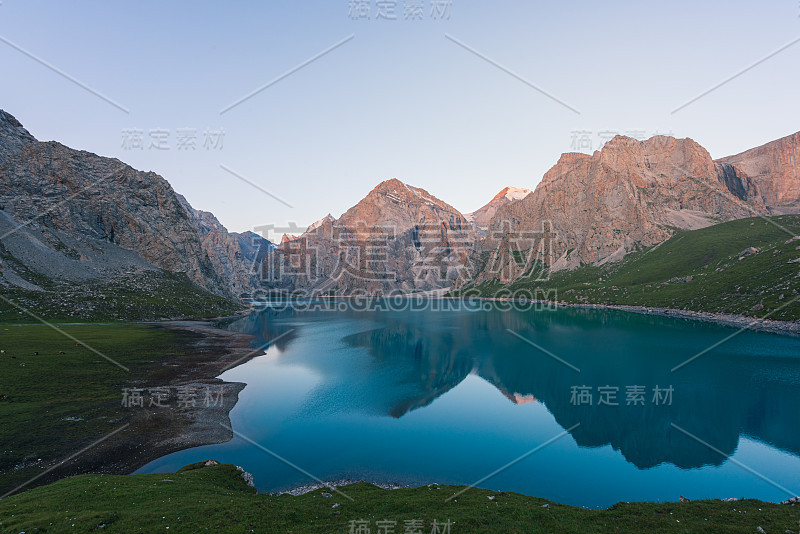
[399, 100]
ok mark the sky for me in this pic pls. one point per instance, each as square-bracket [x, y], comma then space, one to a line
[461, 98]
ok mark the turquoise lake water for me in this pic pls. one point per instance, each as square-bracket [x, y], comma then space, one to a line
[451, 397]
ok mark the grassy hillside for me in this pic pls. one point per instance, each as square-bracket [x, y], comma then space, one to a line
[216, 499]
[145, 295]
[701, 270]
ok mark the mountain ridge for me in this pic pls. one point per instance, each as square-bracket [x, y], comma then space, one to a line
[397, 238]
[592, 208]
[627, 195]
[81, 207]
[600, 207]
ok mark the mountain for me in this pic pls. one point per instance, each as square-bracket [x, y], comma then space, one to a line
[70, 216]
[398, 237]
[234, 257]
[598, 208]
[254, 248]
[746, 267]
[481, 217]
[587, 209]
[767, 174]
[325, 220]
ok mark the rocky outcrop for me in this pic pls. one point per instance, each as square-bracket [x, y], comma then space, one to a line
[481, 217]
[602, 206]
[70, 201]
[254, 248]
[325, 220]
[767, 174]
[234, 257]
[398, 237]
[13, 136]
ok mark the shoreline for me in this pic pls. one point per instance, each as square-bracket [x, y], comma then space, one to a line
[732, 320]
[153, 434]
[296, 491]
[790, 328]
[729, 320]
[148, 433]
[219, 497]
[215, 351]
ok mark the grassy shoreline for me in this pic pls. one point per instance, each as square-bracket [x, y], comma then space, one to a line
[70, 394]
[217, 499]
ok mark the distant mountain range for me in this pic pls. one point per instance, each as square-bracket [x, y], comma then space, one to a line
[71, 216]
[594, 209]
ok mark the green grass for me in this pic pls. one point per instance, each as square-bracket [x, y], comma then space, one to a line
[215, 499]
[51, 388]
[141, 296]
[759, 285]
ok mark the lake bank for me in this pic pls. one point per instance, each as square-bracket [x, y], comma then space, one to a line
[217, 498]
[398, 303]
[123, 395]
[791, 328]
[732, 320]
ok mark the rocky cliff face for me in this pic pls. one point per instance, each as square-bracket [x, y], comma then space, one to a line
[767, 174]
[600, 207]
[398, 237]
[234, 257]
[481, 217]
[13, 136]
[70, 201]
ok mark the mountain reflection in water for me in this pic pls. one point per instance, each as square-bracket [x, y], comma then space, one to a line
[451, 396]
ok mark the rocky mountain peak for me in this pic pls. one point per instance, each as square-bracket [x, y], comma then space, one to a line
[6, 117]
[76, 201]
[660, 159]
[512, 193]
[629, 194]
[13, 136]
[769, 173]
[481, 217]
[398, 237]
[390, 185]
[325, 220]
[394, 203]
